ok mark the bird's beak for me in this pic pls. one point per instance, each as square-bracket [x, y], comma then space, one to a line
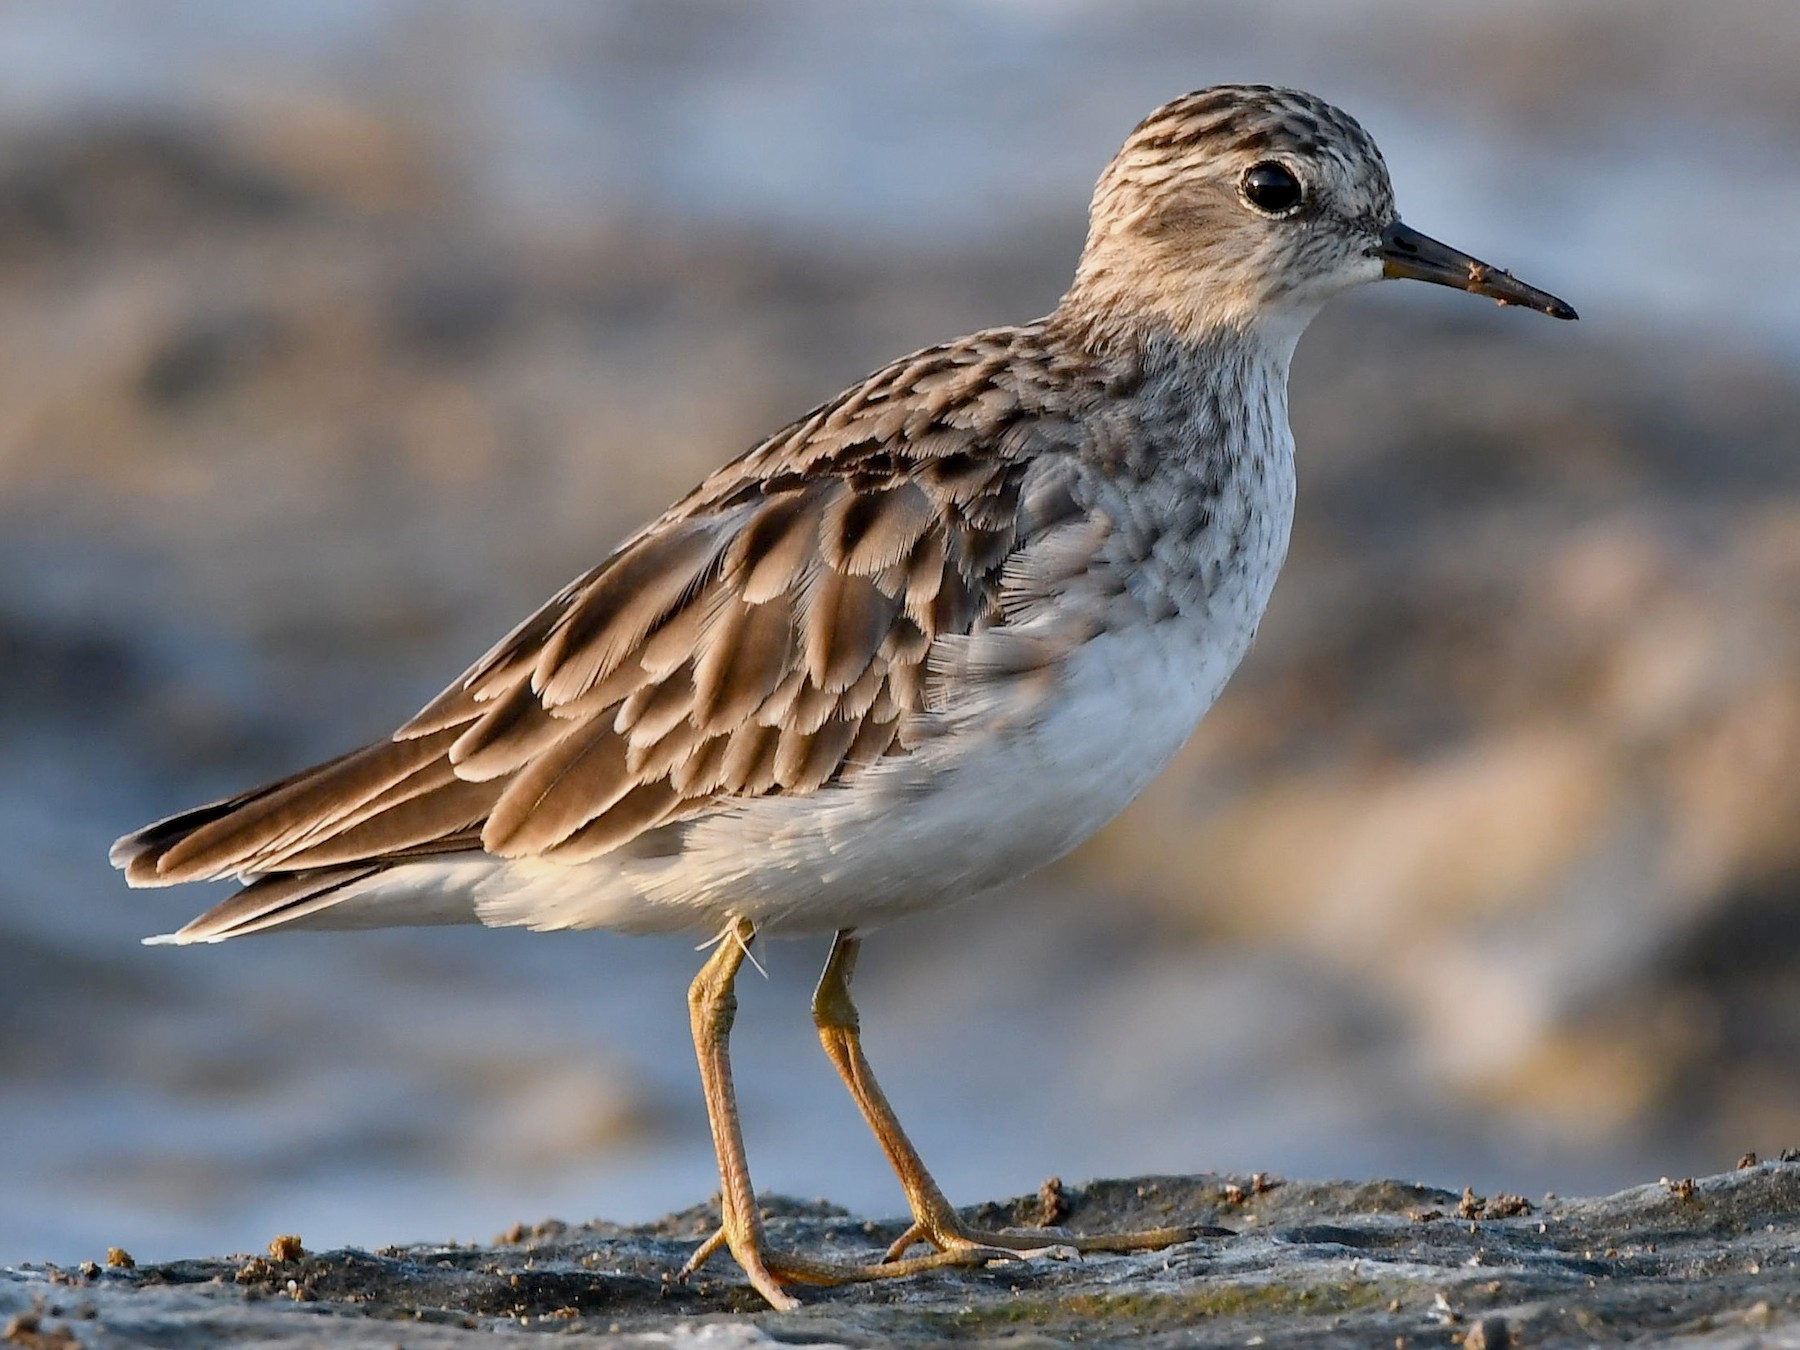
[1407, 253]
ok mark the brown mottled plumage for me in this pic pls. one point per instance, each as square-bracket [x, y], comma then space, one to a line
[768, 634]
[929, 636]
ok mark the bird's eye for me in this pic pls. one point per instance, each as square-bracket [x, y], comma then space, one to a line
[1271, 187]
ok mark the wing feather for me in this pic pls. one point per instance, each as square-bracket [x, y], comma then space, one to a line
[513, 730]
[779, 549]
[234, 842]
[656, 709]
[559, 792]
[843, 622]
[702, 772]
[742, 661]
[611, 617]
[444, 811]
[643, 808]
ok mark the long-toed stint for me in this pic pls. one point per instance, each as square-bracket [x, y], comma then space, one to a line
[923, 640]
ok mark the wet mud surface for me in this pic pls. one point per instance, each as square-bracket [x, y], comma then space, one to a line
[1712, 1261]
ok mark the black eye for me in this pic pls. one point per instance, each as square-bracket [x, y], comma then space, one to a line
[1271, 187]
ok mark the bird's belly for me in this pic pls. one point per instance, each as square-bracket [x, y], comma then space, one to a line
[989, 800]
[1004, 800]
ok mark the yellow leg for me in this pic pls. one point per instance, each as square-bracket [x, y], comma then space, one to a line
[712, 1007]
[934, 1219]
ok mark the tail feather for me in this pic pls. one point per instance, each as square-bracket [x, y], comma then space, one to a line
[405, 891]
[268, 903]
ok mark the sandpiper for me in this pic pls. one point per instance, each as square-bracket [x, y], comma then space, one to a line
[926, 638]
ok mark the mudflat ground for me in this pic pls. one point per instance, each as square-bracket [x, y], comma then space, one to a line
[1711, 1262]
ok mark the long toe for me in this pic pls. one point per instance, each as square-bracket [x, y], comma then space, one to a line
[1048, 1242]
[703, 1253]
[806, 1270]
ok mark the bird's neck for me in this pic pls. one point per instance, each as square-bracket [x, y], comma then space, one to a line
[1170, 404]
[1173, 330]
[1225, 384]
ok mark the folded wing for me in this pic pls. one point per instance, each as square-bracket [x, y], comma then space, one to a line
[768, 635]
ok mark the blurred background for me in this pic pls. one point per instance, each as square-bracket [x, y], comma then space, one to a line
[335, 335]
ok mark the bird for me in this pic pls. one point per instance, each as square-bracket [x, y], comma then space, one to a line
[924, 639]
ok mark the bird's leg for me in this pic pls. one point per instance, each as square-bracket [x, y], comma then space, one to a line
[840, 1032]
[712, 1007]
[935, 1221]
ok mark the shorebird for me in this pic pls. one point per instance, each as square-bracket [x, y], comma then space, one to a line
[926, 638]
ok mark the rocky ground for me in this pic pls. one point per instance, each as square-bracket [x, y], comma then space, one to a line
[1709, 1262]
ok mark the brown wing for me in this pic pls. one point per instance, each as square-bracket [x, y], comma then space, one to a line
[768, 635]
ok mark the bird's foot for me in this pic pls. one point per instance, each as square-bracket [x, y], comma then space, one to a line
[768, 1270]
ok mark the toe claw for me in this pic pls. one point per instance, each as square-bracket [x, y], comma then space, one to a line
[702, 1254]
[904, 1243]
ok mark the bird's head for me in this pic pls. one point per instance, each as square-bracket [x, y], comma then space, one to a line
[1245, 207]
